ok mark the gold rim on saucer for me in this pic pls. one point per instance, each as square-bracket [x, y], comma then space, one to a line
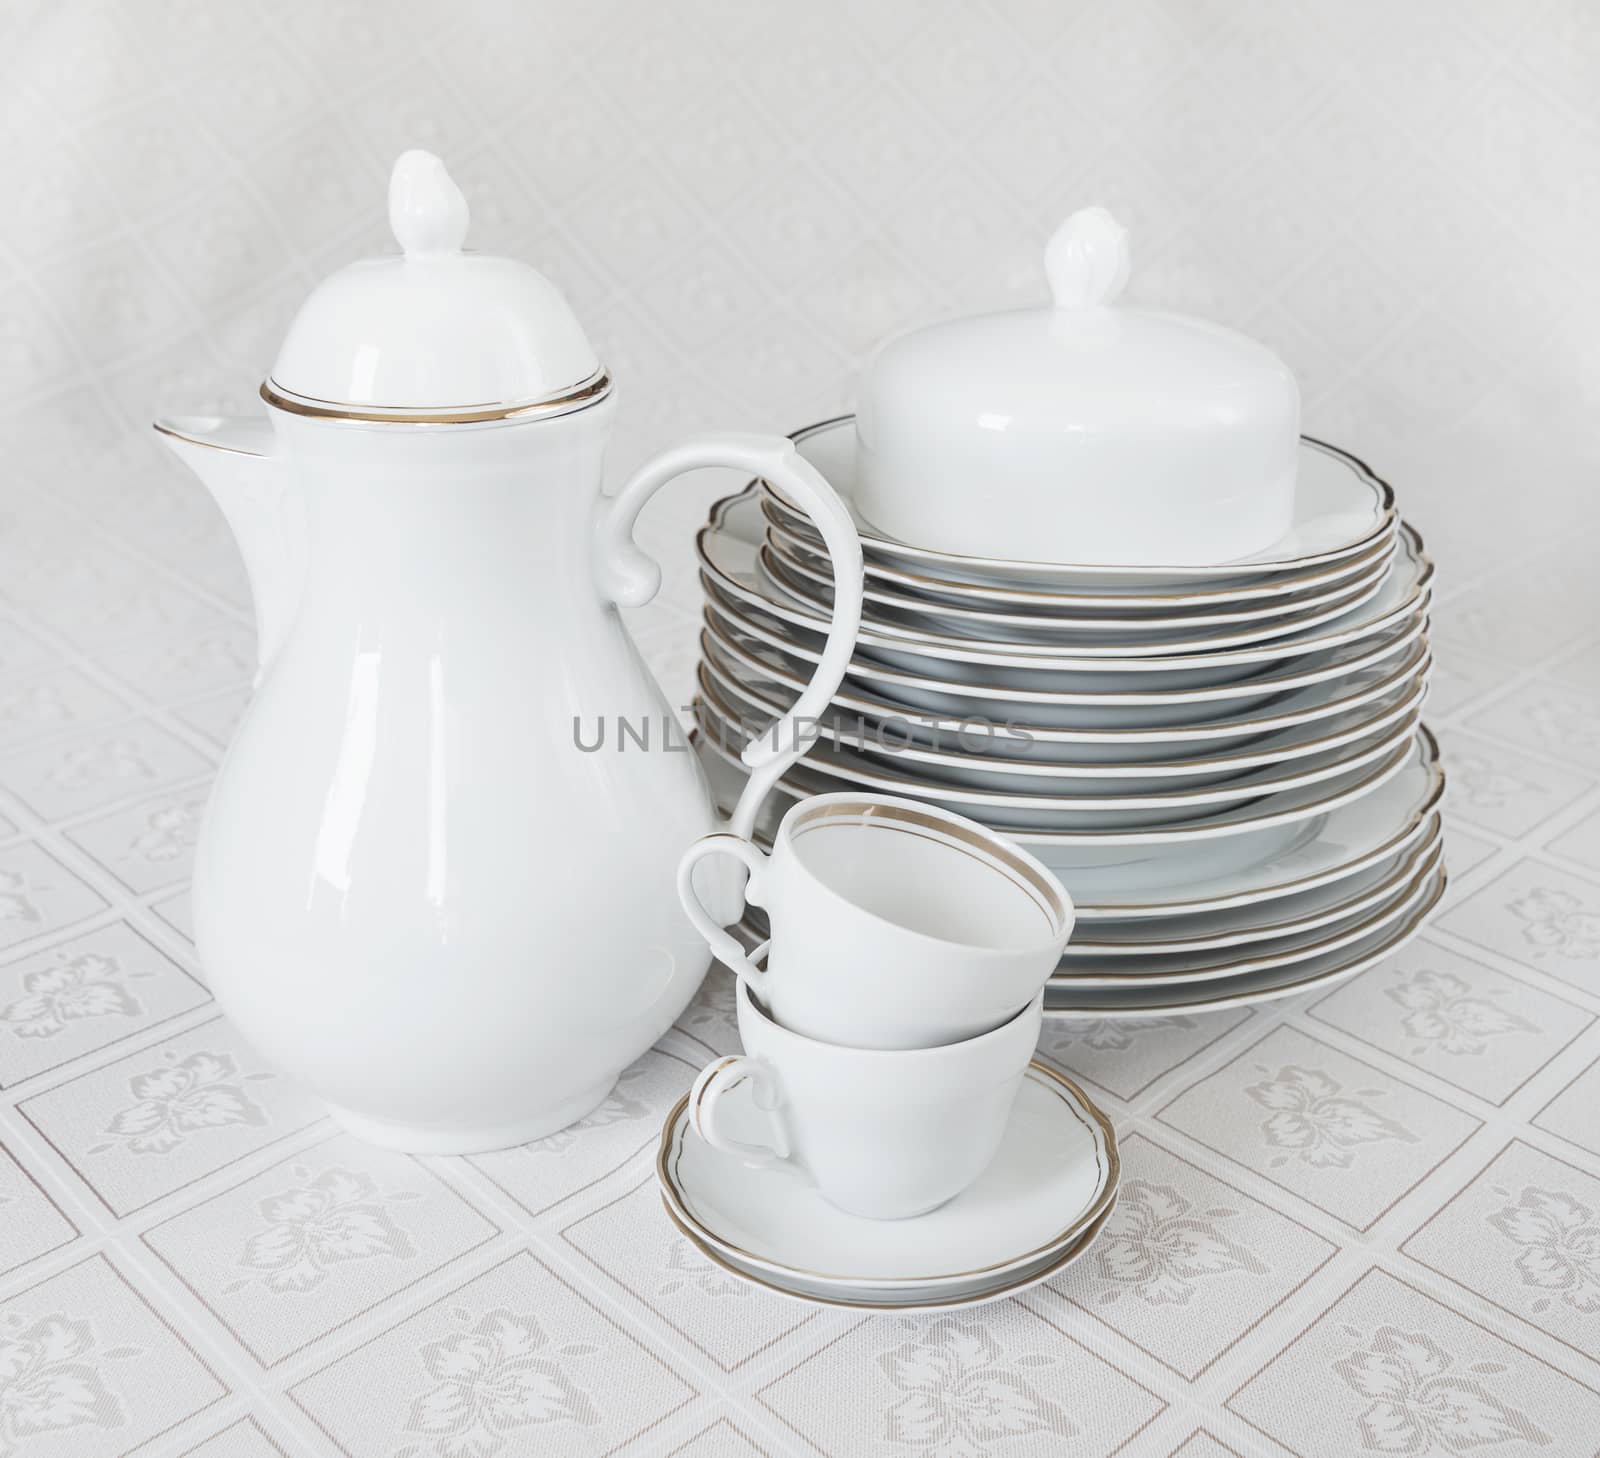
[675, 1128]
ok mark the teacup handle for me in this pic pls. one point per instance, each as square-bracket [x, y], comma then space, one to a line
[722, 1077]
[724, 946]
[630, 579]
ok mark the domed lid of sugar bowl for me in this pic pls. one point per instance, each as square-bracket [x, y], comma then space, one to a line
[434, 334]
[1084, 431]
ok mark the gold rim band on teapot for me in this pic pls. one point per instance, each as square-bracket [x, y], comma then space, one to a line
[588, 392]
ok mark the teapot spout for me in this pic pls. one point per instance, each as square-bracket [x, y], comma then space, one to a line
[238, 461]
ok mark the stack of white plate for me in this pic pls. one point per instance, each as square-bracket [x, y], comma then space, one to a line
[1225, 764]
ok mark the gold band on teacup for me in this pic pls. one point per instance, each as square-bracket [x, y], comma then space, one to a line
[992, 848]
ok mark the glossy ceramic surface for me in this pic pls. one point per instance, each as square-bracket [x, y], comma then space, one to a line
[1341, 509]
[884, 1134]
[1180, 968]
[434, 329]
[1180, 892]
[794, 571]
[754, 703]
[1085, 429]
[1001, 695]
[1049, 806]
[1216, 995]
[728, 551]
[757, 668]
[1053, 1177]
[425, 813]
[1264, 919]
[956, 1296]
[1142, 861]
[893, 924]
[787, 537]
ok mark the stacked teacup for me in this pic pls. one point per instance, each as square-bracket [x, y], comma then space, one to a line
[889, 1021]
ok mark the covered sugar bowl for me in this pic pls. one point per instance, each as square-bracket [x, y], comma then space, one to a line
[1085, 431]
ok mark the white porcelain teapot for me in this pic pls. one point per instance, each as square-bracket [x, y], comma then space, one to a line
[419, 887]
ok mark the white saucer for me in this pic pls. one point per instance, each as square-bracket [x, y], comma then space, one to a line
[1054, 1178]
[1340, 507]
[920, 1303]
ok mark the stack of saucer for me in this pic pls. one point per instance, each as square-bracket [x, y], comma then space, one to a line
[1239, 793]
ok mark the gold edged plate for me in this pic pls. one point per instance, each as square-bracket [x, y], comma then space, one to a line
[728, 562]
[1272, 617]
[1219, 996]
[1186, 969]
[829, 445]
[788, 534]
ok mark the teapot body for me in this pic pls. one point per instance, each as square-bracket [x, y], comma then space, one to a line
[434, 882]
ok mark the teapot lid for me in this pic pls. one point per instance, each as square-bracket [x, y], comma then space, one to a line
[435, 334]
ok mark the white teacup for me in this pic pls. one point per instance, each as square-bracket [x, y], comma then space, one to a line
[894, 925]
[884, 1133]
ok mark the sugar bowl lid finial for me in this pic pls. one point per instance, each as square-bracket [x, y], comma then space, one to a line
[1087, 260]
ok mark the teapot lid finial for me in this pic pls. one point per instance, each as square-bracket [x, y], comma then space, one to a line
[427, 211]
[1087, 260]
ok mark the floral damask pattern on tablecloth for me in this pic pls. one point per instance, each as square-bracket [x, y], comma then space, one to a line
[1356, 1222]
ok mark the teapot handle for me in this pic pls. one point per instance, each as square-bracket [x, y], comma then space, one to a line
[631, 578]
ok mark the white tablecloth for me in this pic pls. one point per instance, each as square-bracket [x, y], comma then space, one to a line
[1363, 1221]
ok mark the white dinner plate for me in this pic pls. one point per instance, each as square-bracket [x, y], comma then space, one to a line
[1262, 920]
[749, 660]
[729, 565]
[1172, 884]
[1054, 1176]
[1275, 618]
[754, 704]
[1119, 866]
[1178, 969]
[1313, 974]
[1097, 807]
[1120, 596]
[999, 698]
[1340, 507]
